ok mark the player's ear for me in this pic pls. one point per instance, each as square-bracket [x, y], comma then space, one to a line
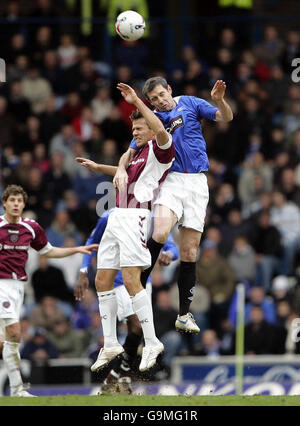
[170, 89]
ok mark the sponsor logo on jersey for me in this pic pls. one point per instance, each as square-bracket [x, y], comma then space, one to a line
[140, 160]
[174, 124]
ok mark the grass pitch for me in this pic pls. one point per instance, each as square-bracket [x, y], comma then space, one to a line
[153, 400]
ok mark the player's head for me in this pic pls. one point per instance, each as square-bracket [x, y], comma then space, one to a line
[159, 93]
[140, 129]
[14, 199]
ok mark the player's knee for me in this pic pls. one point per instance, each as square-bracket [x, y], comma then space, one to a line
[101, 284]
[188, 253]
[160, 236]
[13, 333]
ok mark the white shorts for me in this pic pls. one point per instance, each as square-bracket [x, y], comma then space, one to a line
[125, 309]
[124, 242]
[187, 195]
[11, 301]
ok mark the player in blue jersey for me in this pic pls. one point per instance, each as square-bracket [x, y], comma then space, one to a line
[183, 197]
[121, 370]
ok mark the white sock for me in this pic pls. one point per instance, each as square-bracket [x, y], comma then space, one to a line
[12, 360]
[108, 307]
[142, 306]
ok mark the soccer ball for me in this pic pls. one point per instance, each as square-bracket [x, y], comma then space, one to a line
[130, 25]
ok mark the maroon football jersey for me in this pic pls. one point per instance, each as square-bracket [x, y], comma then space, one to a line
[146, 172]
[15, 240]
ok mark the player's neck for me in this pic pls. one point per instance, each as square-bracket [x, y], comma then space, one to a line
[11, 219]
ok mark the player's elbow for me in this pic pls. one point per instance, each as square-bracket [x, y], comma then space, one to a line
[162, 136]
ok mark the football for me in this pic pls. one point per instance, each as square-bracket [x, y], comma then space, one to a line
[130, 25]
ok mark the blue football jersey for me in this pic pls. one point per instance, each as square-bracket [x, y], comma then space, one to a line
[183, 122]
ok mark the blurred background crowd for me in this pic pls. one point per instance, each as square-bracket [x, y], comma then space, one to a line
[60, 101]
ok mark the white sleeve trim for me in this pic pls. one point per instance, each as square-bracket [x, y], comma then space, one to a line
[84, 270]
[45, 249]
[166, 145]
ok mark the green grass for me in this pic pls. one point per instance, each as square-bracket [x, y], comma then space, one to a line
[153, 400]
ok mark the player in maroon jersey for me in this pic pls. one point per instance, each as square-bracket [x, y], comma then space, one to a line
[124, 242]
[17, 234]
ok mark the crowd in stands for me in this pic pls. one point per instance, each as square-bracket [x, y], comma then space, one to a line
[60, 102]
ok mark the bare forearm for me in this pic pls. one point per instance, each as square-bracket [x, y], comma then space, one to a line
[225, 112]
[58, 252]
[151, 119]
[107, 170]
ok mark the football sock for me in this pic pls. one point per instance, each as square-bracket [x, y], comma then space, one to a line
[186, 285]
[142, 307]
[108, 307]
[154, 249]
[131, 344]
[12, 362]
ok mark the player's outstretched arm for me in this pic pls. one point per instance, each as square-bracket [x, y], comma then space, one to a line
[153, 122]
[96, 167]
[224, 112]
[58, 252]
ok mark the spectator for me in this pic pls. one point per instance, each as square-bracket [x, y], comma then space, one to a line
[211, 345]
[215, 273]
[164, 317]
[287, 186]
[61, 228]
[56, 179]
[233, 227]
[39, 348]
[271, 48]
[101, 104]
[7, 125]
[36, 90]
[63, 141]
[45, 313]
[68, 341]
[50, 120]
[72, 107]
[52, 72]
[242, 260]
[258, 297]
[259, 334]
[246, 184]
[267, 245]
[114, 127]
[83, 124]
[18, 105]
[48, 280]
[69, 269]
[285, 215]
[93, 145]
[109, 153]
[67, 51]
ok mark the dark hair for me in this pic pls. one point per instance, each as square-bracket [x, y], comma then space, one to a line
[14, 190]
[151, 83]
[135, 115]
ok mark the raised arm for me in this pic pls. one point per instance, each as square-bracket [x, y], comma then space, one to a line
[152, 120]
[224, 112]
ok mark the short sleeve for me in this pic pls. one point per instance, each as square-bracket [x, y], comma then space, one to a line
[166, 153]
[203, 108]
[40, 242]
